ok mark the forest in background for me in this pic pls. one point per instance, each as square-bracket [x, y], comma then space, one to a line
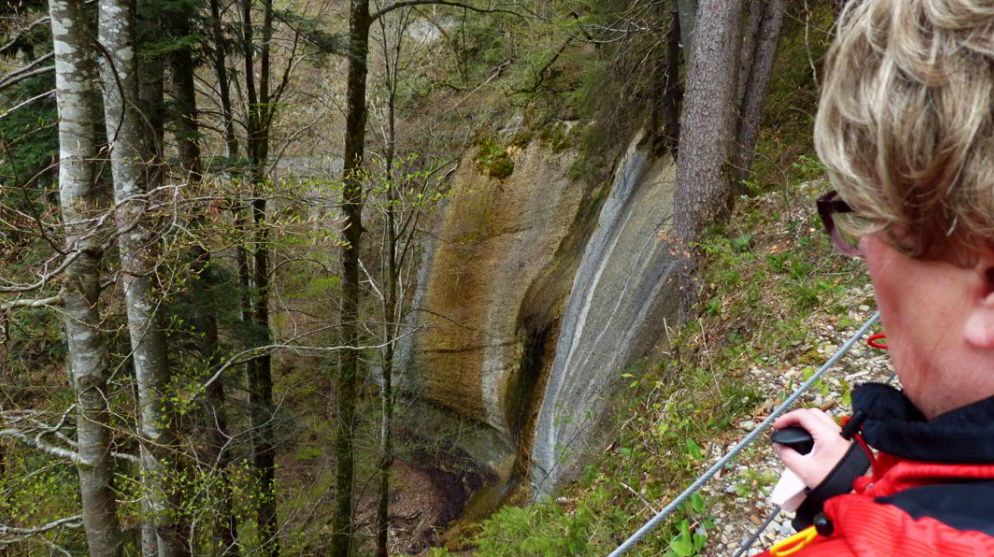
[211, 215]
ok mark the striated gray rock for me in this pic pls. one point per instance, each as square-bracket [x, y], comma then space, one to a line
[617, 310]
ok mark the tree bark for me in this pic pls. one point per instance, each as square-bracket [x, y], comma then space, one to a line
[136, 242]
[185, 95]
[88, 355]
[151, 99]
[259, 370]
[391, 281]
[355, 140]
[223, 85]
[750, 36]
[666, 108]
[709, 119]
[755, 87]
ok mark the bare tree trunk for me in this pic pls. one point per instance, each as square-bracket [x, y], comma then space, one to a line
[137, 246]
[390, 323]
[223, 85]
[709, 118]
[391, 279]
[88, 356]
[151, 98]
[355, 140]
[390, 306]
[226, 524]
[666, 107]
[152, 102]
[260, 378]
[750, 36]
[261, 388]
[184, 92]
[755, 87]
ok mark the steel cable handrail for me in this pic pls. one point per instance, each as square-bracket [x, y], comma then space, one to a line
[674, 504]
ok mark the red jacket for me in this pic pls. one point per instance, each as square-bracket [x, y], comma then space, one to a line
[931, 492]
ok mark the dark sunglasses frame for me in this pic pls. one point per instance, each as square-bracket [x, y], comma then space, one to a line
[828, 205]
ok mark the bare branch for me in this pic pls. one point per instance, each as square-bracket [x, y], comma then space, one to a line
[30, 70]
[259, 351]
[43, 302]
[27, 102]
[10, 80]
[73, 522]
[408, 3]
[42, 446]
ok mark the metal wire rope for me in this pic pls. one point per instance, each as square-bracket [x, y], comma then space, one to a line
[675, 504]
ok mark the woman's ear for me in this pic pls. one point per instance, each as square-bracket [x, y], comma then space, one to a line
[979, 328]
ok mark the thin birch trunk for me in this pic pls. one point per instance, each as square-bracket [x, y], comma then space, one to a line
[89, 359]
[136, 243]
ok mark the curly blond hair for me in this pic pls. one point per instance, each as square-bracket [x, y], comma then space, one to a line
[906, 121]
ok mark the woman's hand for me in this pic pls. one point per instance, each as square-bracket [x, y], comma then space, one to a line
[828, 450]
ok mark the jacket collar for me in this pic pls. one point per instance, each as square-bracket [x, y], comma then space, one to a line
[893, 425]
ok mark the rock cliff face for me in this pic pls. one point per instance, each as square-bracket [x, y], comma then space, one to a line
[617, 311]
[535, 293]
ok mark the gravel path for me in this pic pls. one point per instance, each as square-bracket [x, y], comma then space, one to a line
[738, 496]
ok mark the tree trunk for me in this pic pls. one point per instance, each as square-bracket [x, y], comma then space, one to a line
[750, 36]
[259, 370]
[355, 139]
[88, 356]
[709, 119]
[185, 94]
[261, 388]
[390, 324]
[136, 243]
[390, 307]
[666, 108]
[756, 85]
[151, 99]
[223, 85]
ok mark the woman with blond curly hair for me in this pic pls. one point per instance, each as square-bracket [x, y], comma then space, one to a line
[906, 128]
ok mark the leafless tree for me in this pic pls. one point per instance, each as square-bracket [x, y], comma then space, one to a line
[80, 294]
[137, 244]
